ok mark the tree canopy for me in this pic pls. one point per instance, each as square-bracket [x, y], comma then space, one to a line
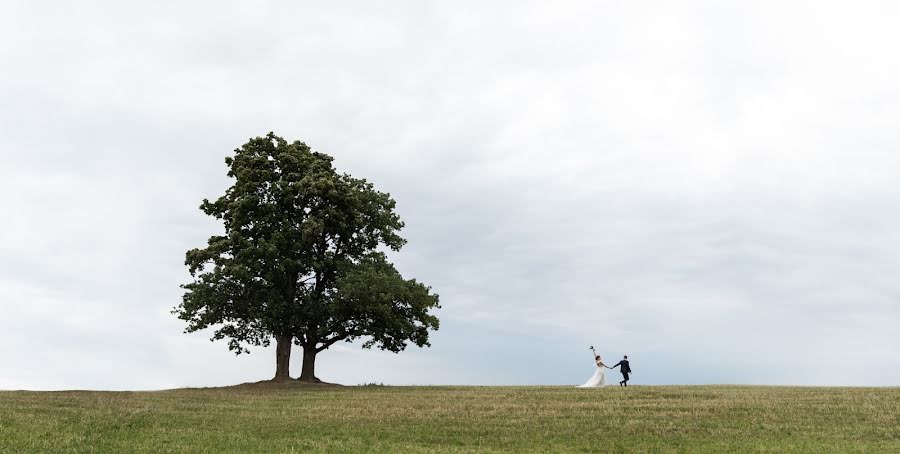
[302, 261]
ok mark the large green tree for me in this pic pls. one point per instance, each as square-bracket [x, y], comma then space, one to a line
[301, 261]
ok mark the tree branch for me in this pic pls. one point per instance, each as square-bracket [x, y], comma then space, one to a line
[331, 341]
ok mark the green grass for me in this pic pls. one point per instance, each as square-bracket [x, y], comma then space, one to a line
[454, 419]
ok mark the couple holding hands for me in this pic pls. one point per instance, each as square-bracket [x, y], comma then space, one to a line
[599, 377]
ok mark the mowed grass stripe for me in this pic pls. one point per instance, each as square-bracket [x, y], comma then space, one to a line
[455, 419]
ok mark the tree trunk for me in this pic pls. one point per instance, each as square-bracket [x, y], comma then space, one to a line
[282, 358]
[308, 374]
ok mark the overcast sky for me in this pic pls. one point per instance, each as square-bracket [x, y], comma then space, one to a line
[709, 187]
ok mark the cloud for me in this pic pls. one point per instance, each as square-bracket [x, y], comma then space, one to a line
[708, 188]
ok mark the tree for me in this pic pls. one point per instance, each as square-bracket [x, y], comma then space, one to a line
[301, 261]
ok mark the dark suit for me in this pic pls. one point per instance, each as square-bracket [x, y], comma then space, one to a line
[625, 369]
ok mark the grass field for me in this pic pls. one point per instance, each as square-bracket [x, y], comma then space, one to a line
[454, 419]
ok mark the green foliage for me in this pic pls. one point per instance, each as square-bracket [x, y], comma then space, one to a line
[282, 419]
[300, 258]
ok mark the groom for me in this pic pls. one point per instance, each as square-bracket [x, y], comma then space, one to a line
[626, 369]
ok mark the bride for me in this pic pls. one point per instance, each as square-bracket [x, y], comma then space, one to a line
[599, 377]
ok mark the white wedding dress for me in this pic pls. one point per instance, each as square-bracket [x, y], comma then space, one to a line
[597, 380]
